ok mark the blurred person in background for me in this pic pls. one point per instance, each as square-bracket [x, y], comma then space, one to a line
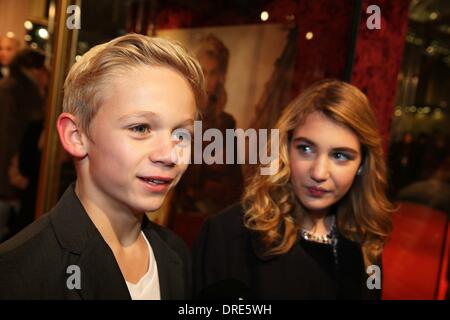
[403, 162]
[8, 48]
[433, 192]
[209, 188]
[22, 97]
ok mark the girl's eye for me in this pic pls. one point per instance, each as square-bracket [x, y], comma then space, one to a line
[340, 156]
[140, 129]
[305, 149]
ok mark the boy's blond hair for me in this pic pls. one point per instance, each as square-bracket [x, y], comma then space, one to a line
[103, 63]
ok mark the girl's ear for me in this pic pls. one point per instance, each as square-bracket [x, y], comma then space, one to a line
[70, 135]
[360, 169]
[363, 160]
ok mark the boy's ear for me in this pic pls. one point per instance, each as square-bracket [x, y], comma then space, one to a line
[71, 136]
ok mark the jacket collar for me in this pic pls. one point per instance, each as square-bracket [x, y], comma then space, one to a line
[101, 277]
[73, 227]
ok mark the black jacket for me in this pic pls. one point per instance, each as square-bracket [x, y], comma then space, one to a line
[20, 103]
[34, 264]
[228, 263]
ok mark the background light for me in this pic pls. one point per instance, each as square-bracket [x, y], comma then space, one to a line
[28, 25]
[43, 33]
[264, 16]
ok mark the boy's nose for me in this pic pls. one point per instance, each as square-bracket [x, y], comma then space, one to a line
[320, 169]
[163, 152]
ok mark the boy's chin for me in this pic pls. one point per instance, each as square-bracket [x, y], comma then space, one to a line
[151, 207]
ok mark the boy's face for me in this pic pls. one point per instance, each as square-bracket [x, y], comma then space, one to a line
[131, 147]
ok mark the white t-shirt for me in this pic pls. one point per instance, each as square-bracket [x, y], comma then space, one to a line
[147, 288]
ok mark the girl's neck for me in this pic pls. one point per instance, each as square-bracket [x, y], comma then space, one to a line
[318, 223]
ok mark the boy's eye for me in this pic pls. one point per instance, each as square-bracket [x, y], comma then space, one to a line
[141, 129]
[181, 135]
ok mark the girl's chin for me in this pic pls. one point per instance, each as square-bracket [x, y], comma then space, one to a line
[316, 205]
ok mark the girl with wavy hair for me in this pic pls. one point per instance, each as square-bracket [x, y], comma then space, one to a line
[316, 228]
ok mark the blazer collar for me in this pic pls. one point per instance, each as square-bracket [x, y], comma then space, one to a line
[73, 227]
[101, 277]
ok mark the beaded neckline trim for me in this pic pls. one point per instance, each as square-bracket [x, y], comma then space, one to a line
[326, 239]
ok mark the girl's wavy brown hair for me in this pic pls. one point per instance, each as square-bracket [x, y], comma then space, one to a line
[363, 214]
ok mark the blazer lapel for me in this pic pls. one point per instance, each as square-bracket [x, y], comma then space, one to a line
[101, 277]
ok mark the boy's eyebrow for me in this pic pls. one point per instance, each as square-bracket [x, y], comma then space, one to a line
[146, 114]
[186, 123]
[338, 149]
[151, 114]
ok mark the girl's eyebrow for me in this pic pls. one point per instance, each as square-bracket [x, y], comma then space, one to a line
[337, 149]
[303, 139]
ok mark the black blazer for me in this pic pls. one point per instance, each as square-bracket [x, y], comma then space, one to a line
[33, 264]
[228, 264]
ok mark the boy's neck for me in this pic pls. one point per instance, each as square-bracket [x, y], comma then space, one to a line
[117, 227]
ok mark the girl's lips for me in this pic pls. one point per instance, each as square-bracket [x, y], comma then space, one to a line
[316, 191]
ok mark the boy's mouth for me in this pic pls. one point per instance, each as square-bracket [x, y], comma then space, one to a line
[157, 180]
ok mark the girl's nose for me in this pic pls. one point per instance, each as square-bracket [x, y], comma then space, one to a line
[320, 169]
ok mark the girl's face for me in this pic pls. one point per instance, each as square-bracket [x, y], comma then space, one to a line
[324, 158]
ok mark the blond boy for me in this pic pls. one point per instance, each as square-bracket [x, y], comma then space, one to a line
[124, 103]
